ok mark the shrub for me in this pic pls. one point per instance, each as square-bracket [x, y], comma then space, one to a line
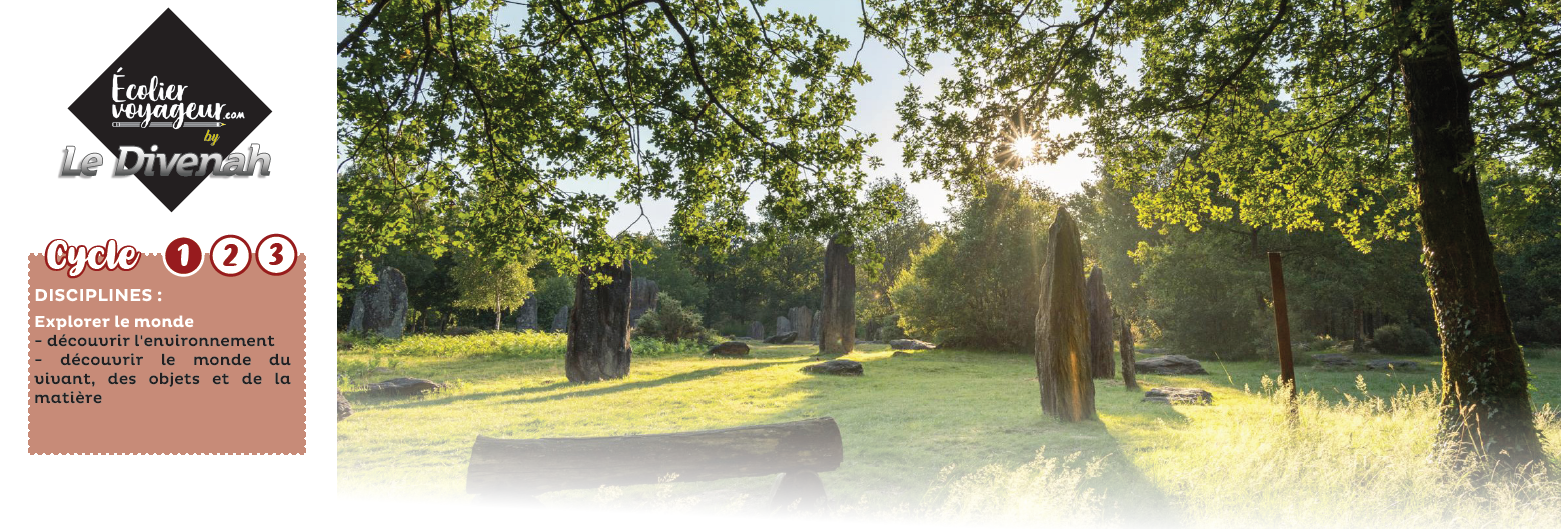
[672, 322]
[1206, 304]
[979, 283]
[1542, 329]
[1404, 341]
[1322, 343]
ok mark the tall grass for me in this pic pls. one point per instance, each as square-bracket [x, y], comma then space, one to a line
[1366, 462]
[1055, 491]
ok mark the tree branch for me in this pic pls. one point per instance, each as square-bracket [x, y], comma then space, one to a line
[363, 25]
[1262, 42]
[1489, 76]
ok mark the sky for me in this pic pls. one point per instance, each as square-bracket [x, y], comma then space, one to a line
[875, 115]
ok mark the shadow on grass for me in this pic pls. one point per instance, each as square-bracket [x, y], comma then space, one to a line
[1330, 384]
[585, 389]
[938, 408]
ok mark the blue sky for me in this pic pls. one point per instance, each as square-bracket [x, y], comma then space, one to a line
[875, 115]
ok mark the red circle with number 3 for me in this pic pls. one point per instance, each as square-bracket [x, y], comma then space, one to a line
[183, 257]
[277, 254]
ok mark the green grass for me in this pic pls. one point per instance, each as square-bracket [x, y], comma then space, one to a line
[948, 434]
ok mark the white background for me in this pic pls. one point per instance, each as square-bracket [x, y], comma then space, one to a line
[284, 52]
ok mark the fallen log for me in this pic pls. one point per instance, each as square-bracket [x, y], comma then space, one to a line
[534, 466]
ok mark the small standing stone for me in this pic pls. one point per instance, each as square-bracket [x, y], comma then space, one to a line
[381, 308]
[756, 330]
[1098, 303]
[643, 293]
[561, 319]
[526, 316]
[343, 408]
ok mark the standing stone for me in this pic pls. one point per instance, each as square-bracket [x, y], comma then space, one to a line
[642, 298]
[561, 320]
[381, 308]
[782, 325]
[598, 345]
[1099, 305]
[756, 330]
[818, 324]
[801, 322]
[1062, 328]
[837, 320]
[1129, 378]
[526, 317]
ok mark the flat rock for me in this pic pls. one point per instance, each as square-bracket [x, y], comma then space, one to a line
[343, 408]
[1335, 361]
[1170, 395]
[401, 387]
[899, 354]
[1169, 365]
[836, 367]
[911, 345]
[729, 349]
[1393, 365]
[783, 338]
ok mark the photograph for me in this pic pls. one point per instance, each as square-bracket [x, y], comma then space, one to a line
[755, 263]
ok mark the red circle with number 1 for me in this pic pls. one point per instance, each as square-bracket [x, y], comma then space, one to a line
[277, 254]
[183, 257]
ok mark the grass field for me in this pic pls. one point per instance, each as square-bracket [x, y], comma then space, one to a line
[953, 435]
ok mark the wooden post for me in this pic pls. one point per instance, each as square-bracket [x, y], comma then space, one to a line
[1276, 272]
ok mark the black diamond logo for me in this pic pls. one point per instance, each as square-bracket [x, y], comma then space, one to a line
[168, 96]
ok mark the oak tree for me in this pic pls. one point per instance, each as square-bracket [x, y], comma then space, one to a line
[1385, 112]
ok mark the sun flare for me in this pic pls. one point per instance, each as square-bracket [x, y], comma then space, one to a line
[1023, 146]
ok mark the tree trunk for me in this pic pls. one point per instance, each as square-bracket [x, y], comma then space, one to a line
[1360, 328]
[1062, 328]
[1129, 376]
[498, 312]
[1485, 401]
[1098, 303]
[598, 344]
[837, 330]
